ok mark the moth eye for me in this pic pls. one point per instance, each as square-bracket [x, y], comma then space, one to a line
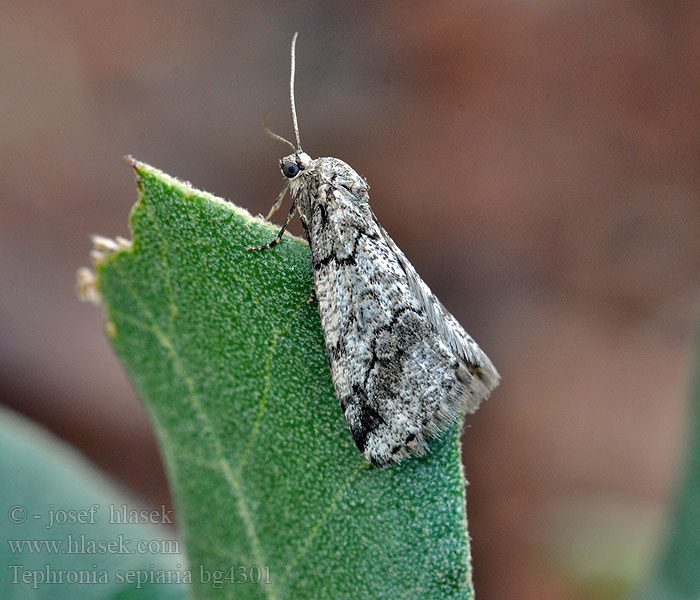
[290, 169]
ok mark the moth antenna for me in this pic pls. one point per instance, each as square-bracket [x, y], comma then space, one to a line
[291, 91]
[273, 135]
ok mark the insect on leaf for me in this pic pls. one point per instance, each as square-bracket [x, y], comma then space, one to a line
[272, 497]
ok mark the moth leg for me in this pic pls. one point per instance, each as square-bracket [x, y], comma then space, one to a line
[312, 296]
[278, 237]
[278, 202]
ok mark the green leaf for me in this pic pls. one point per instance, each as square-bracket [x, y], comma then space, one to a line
[678, 574]
[61, 523]
[228, 356]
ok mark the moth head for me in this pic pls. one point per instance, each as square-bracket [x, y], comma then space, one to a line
[294, 164]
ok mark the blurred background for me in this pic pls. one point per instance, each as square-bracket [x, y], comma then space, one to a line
[538, 162]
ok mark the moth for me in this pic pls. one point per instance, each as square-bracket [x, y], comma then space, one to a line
[403, 368]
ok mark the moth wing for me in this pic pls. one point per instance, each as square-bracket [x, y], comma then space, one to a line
[402, 366]
[485, 377]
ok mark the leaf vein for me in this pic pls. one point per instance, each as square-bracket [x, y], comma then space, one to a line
[207, 427]
[315, 528]
[267, 384]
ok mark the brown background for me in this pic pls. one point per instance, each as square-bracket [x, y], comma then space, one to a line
[538, 162]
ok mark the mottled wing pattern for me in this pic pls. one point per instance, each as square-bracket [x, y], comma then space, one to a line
[402, 366]
[485, 376]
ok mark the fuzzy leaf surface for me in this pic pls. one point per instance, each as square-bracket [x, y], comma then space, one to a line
[228, 356]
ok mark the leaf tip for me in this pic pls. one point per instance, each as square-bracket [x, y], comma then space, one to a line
[137, 166]
[132, 162]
